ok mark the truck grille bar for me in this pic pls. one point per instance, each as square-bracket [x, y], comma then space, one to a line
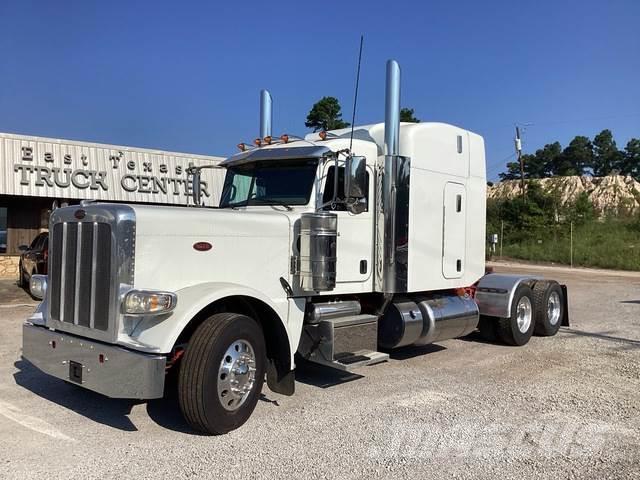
[80, 272]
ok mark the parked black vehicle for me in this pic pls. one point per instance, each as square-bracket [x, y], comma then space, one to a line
[33, 259]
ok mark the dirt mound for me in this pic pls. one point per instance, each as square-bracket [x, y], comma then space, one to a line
[612, 194]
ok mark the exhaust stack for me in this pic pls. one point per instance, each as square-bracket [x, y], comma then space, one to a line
[392, 109]
[266, 114]
[392, 211]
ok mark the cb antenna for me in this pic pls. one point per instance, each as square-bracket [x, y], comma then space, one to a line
[355, 97]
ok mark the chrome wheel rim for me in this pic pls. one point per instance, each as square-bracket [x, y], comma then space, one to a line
[236, 375]
[523, 314]
[553, 308]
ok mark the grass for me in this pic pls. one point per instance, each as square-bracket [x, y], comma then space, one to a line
[610, 244]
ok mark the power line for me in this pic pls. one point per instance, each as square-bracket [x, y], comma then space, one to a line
[577, 120]
[587, 119]
[498, 162]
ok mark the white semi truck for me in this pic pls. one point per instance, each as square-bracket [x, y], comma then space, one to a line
[335, 248]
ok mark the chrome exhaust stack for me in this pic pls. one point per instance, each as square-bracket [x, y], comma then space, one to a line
[266, 114]
[392, 109]
[392, 214]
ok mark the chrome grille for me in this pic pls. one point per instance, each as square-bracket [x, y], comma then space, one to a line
[79, 274]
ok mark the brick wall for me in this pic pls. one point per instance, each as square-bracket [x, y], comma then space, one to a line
[9, 266]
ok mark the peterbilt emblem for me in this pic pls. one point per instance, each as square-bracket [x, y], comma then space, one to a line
[202, 246]
[79, 214]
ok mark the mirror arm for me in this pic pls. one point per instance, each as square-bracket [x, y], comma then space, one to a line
[195, 173]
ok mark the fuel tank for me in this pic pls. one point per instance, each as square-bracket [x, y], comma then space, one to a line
[424, 319]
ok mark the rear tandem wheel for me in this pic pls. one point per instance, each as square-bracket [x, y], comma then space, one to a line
[518, 328]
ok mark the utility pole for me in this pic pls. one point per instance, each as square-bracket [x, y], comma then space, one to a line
[571, 245]
[518, 141]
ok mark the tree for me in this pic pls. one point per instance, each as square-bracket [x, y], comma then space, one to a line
[406, 115]
[582, 210]
[326, 115]
[575, 159]
[541, 164]
[631, 159]
[606, 156]
[547, 157]
[512, 173]
[534, 212]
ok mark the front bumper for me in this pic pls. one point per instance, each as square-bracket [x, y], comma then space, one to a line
[121, 374]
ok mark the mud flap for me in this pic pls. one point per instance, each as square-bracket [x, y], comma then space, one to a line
[565, 309]
[282, 384]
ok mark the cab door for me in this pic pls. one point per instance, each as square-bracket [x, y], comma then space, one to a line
[355, 239]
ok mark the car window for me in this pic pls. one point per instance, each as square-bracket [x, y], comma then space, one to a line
[43, 241]
[35, 242]
[38, 242]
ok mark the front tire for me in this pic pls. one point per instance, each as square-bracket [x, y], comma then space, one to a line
[222, 373]
[21, 282]
[518, 328]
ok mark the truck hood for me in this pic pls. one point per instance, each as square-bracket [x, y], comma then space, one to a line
[248, 247]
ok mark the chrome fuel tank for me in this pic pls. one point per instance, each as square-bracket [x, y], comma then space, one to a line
[426, 319]
[447, 316]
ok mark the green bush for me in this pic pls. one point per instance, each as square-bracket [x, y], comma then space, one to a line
[610, 244]
[538, 229]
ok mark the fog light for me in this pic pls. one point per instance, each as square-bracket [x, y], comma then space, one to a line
[140, 302]
[38, 286]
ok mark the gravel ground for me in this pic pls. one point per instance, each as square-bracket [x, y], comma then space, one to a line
[562, 407]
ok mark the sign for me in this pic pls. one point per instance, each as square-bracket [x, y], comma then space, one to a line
[45, 167]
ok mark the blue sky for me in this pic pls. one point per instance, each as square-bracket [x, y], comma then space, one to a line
[186, 76]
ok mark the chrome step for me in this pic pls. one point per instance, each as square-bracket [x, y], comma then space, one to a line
[346, 343]
[351, 363]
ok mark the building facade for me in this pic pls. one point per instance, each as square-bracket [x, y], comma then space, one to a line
[36, 174]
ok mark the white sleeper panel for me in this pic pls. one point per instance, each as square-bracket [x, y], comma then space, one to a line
[454, 230]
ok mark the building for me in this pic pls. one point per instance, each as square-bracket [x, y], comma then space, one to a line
[37, 173]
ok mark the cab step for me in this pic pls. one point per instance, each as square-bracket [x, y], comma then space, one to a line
[346, 343]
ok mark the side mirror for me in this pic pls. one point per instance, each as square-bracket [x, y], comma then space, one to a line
[355, 178]
[196, 187]
[23, 248]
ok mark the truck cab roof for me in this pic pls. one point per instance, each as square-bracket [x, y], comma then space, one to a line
[426, 143]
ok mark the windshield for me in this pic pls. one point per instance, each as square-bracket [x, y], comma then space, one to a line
[269, 183]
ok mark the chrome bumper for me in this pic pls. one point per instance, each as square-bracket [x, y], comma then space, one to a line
[112, 371]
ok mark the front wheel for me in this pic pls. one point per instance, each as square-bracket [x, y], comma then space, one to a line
[21, 282]
[222, 373]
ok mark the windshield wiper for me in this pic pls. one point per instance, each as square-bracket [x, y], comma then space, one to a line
[270, 201]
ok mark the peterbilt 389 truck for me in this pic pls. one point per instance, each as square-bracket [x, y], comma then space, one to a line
[335, 248]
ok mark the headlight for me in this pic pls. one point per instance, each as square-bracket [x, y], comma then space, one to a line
[38, 286]
[140, 302]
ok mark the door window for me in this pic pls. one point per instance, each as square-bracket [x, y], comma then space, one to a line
[329, 188]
